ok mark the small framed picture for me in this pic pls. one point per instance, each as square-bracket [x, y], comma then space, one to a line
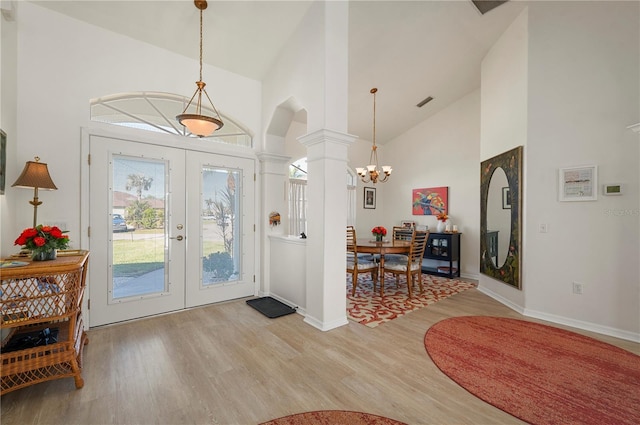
[370, 198]
[506, 198]
[578, 183]
[409, 224]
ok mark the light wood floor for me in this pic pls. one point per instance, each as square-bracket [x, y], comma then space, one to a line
[228, 364]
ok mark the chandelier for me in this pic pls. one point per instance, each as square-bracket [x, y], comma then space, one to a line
[196, 123]
[371, 172]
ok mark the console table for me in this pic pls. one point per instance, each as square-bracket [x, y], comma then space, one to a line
[41, 310]
[441, 249]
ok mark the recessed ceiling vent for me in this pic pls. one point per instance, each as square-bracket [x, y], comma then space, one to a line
[424, 102]
[485, 6]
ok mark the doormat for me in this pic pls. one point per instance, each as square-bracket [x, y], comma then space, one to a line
[270, 307]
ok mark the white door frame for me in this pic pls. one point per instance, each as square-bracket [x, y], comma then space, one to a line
[154, 139]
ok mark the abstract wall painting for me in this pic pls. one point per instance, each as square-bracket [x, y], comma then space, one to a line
[430, 201]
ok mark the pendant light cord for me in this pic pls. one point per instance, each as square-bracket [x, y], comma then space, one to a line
[200, 44]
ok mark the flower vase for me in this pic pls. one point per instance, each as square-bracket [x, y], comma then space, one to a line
[45, 255]
[378, 237]
[442, 225]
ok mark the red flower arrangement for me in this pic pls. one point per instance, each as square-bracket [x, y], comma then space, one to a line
[379, 230]
[442, 217]
[42, 239]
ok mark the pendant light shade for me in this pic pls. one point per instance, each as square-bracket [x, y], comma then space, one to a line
[197, 123]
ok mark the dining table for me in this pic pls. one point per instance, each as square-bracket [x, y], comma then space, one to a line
[393, 246]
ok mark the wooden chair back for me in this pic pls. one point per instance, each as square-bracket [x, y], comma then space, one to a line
[402, 233]
[356, 264]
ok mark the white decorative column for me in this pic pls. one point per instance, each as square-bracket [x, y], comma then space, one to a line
[273, 175]
[326, 222]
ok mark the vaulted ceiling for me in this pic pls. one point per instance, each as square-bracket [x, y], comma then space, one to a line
[409, 50]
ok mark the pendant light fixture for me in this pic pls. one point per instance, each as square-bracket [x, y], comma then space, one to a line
[371, 172]
[197, 123]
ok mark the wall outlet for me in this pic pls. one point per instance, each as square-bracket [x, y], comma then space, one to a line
[577, 288]
[542, 228]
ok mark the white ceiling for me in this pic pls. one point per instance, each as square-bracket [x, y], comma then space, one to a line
[409, 50]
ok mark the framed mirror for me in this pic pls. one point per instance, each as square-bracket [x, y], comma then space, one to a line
[501, 217]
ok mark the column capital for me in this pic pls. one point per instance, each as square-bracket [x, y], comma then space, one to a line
[326, 135]
[272, 157]
[271, 163]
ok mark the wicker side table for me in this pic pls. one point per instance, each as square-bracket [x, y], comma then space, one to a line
[38, 296]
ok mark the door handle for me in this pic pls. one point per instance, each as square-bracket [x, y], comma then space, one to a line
[179, 237]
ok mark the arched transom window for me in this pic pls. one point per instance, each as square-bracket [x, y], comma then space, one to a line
[157, 112]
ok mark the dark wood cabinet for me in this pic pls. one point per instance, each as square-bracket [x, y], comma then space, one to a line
[442, 255]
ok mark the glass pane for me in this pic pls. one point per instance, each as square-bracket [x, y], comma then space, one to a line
[220, 241]
[139, 249]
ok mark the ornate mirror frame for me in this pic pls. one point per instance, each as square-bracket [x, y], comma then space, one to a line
[511, 163]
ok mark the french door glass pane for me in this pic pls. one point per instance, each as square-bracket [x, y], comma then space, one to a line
[139, 243]
[220, 225]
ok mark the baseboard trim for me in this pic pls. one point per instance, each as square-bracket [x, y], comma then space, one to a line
[300, 310]
[325, 326]
[587, 326]
[561, 320]
[501, 300]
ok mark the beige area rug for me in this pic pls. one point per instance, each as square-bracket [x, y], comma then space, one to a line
[333, 417]
[369, 309]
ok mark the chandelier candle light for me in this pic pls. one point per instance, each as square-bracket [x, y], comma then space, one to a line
[198, 124]
[371, 172]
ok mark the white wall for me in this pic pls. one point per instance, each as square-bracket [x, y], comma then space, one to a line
[8, 94]
[62, 64]
[563, 82]
[441, 151]
[504, 125]
[298, 72]
[584, 90]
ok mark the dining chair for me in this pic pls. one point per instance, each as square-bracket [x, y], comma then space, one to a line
[400, 233]
[357, 264]
[411, 267]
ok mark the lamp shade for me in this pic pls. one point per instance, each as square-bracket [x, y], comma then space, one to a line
[200, 125]
[35, 174]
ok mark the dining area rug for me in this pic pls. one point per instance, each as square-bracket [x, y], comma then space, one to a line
[538, 373]
[370, 309]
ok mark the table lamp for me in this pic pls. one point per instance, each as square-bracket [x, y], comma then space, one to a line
[35, 175]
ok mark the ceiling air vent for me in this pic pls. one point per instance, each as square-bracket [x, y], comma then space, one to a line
[424, 102]
[486, 5]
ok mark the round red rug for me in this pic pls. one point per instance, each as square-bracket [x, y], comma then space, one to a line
[538, 373]
[333, 417]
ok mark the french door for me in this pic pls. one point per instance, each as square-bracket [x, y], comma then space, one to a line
[188, 232]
